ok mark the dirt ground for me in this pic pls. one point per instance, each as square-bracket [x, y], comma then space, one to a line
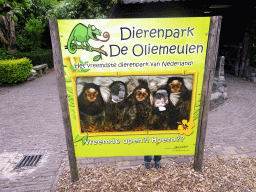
[217, 175]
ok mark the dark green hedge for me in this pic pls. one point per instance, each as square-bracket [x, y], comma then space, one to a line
[37, 57]
[13, 71]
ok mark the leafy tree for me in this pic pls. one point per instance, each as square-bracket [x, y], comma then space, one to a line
[99, 8]
[46, 9]
[12, 4]
[7, 27]
[81, 9]
[30, 37]
[21, 10]
[66, 10]
[39, 10]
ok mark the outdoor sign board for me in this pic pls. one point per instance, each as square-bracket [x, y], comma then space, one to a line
[134, 85]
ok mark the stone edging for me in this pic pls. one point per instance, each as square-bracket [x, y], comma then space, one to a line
[219, 92]
[37, 71]
[219, 86]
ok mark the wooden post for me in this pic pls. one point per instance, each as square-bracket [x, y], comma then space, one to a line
[246, 69]
[238, 59]
[59, 70]
[210, 64]
[245, 52]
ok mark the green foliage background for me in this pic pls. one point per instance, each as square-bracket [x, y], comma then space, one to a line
[13, 71]
[30, 38]
[37, 57]
[32, 25]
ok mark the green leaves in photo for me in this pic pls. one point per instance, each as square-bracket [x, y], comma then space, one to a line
[70, 90]
[71, 102]
[83, 62]
[97, 58]
[197, 110]
[83, 70]
[80, 138]
[73, 68]
[71, 99]
[68, 79]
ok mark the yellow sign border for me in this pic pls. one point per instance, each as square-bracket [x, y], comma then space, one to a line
[197, 70]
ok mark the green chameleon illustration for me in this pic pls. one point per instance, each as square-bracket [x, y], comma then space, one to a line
[81, 34]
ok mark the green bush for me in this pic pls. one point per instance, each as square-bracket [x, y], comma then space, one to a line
[30, 37]
[13, 71]
[39, 9]
[38, 57]
[5, 54]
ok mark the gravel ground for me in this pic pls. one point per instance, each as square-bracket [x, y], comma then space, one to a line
[217, 175]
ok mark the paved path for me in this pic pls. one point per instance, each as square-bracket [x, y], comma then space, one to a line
[31, 123]
[232, 126]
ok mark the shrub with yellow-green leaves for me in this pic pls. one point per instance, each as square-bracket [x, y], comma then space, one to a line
[13, 71]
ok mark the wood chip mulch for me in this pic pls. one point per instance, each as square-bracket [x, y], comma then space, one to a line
[217, 175]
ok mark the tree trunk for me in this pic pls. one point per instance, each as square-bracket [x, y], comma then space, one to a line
[7, 31]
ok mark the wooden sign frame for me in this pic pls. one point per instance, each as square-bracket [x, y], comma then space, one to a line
[210, 64]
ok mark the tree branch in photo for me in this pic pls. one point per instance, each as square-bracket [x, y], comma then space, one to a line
[99, 50]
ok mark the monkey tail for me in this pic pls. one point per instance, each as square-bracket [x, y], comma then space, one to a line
[71, 46]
